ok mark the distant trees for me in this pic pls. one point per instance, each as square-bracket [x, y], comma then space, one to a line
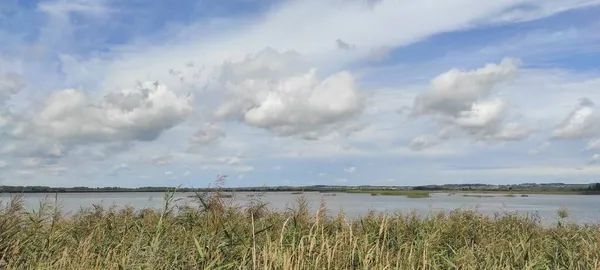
[43, 189]
[595, 187]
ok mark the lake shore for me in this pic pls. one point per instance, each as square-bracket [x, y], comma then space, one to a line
[214, 233]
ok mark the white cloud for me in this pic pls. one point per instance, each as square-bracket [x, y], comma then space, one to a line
[455, 91]
[463, 100]
[270, 93]
[142, 114]
[302, 92]
[582, 122]
[3, 164]
[323, 22]
[244, 169]
[68, 118]
[187, 173]
[350, 169]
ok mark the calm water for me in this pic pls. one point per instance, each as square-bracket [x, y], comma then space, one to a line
[582, 209]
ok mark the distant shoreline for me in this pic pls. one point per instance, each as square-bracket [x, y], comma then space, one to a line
[578, 189]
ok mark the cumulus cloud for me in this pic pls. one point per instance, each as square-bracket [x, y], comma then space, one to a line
[464, 100]
[142, 114]
[69, 118]
[455, 91]
[582, 122]
[272, 93]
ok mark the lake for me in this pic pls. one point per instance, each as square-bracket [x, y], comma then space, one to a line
[582, 209]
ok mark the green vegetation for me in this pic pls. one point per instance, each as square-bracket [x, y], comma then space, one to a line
[523, 192]
[522, 189]
[214, 234]
[407, 193]
[527, 188]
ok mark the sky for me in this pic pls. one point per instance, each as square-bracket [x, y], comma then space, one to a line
[307, 92]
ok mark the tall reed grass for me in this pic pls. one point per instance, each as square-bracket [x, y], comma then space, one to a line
[215, 234]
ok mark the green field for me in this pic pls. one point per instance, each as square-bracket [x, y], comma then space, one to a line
[214, 234]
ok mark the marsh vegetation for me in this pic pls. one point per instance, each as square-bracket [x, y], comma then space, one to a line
[213, 233]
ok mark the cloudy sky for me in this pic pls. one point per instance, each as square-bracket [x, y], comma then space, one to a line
[281, 92]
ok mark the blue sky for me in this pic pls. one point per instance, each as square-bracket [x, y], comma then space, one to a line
[141, 93]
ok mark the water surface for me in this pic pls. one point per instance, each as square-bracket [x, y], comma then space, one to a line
[582, 209]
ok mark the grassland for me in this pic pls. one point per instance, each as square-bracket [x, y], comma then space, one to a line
[215, 234]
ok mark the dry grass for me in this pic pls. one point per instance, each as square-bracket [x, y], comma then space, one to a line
[217, 235]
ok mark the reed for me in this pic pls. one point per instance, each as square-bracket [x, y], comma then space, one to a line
[214, 233]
